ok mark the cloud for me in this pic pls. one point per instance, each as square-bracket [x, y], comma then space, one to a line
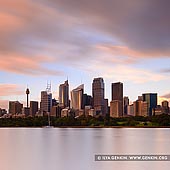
[10, 89]
[165, 70]
[123, 51]
[4, 104]
[163, 98]
[25, 31]
[124, 73]
[141, 25]
[166, 96]
[30, 65]
[71, 33]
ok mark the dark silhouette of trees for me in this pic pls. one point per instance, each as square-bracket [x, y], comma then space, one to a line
[89, 121]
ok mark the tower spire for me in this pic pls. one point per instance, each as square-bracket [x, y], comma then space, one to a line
[48, 89]
[27, 93]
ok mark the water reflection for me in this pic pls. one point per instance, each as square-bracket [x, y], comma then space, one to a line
[74, 149]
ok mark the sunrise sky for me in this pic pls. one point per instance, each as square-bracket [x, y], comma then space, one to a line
[119, 40]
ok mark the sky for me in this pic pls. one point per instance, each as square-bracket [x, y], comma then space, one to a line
[49, 41]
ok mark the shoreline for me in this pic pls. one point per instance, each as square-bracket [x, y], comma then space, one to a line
[95, 127]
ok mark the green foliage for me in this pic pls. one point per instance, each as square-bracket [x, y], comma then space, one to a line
[89, 121]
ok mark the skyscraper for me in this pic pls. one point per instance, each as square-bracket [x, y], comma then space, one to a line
[98, 95]
[77, 97]
[87, 100]
[140, 108]
[64, 94]
[151, 99]
[115, 108]
[117, 98]
[165, 107]
[46, 101]
[117, 91]
[105, 106]
[33, 107]
[131, 110]
[125, 104]
[15, 107]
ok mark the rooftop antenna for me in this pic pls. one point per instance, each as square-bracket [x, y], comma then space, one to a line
[48, 88]
[66, 81]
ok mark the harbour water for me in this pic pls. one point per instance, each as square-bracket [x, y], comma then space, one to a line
[75, 148]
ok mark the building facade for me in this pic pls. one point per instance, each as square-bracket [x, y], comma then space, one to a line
[131, 110]
[117, 99]
[151, 99]
[116, 108]
[46, 102]
[64, 94]
[125, 105]
[140, 108]
[98, 95]
[77, 97]
[33, 107]
[87, 100]
[165, 107]
[15, 107]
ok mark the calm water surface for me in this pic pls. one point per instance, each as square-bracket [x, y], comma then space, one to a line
[74, 149]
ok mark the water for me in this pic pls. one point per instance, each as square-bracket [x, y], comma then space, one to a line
[74, 149]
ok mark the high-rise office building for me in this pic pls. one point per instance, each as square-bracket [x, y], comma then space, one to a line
[117, 91]
[55, 102]
[77, 97]
[117, 96]
[33, 107]
[46, 102]
[116, 108]
[64, 94]
[144, 111]
[87, 100]
[98, 95]
[151, 99]
[158, 110]
[26, 111]
[140, 108]
[56, 111]
[140, 98]
[105, 106]
[125, 104]
[131, 110]
[165, 107]
[15, 107]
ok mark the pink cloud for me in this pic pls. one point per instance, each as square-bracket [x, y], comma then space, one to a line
[7, 90]
[130, 55]
[30, 30]
[4, 104]
[10, 89]
[31, 65]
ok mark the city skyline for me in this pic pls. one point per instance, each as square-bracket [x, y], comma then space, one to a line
[53, 95]
[81, 103]
[121, 41]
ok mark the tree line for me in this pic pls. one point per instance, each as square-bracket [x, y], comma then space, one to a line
[82, 121]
